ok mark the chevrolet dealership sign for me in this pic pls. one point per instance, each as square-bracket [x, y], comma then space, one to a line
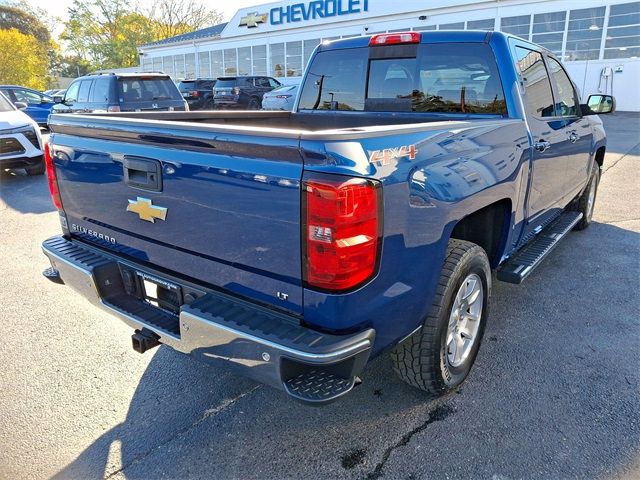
[300, 12]
[294, 14]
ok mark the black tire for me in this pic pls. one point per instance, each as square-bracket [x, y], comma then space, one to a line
[421, 360]
[254, 104]
[208, 105]
[582, 204]
[36, 169]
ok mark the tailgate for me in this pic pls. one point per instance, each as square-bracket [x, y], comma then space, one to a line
[217, 206]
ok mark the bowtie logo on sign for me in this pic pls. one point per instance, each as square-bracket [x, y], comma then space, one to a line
[299, 12]
[253, 19]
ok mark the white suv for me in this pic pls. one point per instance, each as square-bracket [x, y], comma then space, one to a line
[20, 140]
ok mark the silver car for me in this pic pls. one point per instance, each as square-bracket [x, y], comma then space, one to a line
[282, 98]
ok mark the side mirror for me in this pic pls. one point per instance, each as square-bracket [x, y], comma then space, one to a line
[58, 99]
[599, 104]
[20, 105]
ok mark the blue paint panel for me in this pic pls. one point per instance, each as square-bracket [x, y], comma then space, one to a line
[233, 217]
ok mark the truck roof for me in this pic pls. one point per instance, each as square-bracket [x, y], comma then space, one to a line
[438, 36]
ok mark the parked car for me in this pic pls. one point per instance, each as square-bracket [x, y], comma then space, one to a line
[38, 104]
[55, 91]
[242, 92]
[297, 246]
[20, 141]
[281, 98]
[198, 93]
[120, 92]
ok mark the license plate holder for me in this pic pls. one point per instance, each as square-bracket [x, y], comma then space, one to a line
[160, 293]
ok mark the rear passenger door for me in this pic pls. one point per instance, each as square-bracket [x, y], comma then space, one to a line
[548, 151]
[577, 129]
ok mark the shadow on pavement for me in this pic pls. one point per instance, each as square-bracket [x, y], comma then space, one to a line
[552, 395]
[25, 194]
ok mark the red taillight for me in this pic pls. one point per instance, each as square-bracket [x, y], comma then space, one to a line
[113, 108]
[342, 231]
[394, 38]
[195, 94]
[51, 175]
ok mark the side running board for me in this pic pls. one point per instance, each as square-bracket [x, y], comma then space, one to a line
[520, 266]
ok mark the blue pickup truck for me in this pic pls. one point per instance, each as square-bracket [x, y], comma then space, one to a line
[296, 246]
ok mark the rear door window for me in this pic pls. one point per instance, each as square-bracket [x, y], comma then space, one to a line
[536, 82]
[447, 77]
[83, 93]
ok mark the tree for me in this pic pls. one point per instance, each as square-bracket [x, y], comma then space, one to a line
[21, 63]
[173, 17]
[12, 16]
[106, 33]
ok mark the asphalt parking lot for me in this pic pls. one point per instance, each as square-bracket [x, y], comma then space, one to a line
[555, 392]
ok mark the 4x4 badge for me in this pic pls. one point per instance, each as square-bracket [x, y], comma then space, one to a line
[146, 211]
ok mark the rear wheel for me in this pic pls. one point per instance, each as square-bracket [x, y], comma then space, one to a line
[254, 104]
[587, 200]
[36, 169]
[439, 356]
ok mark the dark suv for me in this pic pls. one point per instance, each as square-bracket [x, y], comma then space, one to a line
[242, 92]
[198, 93]
[120, 92]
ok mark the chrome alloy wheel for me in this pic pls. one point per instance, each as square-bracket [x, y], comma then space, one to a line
[464, 320]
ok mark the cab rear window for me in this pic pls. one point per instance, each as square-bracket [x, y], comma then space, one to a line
[140, 89]
[442, 78]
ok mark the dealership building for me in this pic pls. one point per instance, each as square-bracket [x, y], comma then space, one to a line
[598, 40]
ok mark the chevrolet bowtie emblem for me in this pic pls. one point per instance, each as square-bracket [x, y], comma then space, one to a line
[146, 211]
[253, 19]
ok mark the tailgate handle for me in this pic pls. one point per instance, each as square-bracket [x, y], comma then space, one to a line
[144, 173]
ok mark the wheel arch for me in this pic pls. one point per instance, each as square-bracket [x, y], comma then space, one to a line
[487, 227]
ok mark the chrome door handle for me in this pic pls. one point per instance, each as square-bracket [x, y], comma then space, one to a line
[573, 137]
[541, 145]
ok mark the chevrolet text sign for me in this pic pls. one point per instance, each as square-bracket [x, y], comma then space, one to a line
[316, 9]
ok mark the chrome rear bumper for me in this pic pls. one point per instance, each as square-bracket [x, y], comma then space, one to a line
[264, 344]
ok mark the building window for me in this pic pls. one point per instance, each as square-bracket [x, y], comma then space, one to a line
[204, 65]
[190, 65]
[518, 26]
[230, 61]
[294, 59]
[488, 24]
[167, 65]
[217, 68]
[157, 64]
[548, 30]
[309, 46]
[396, 30]
[424, 28]
[178, 61]
[244, 61]
[259, 59]
[623, 32]
[585, 34]
[277, 59]
[451, 26]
